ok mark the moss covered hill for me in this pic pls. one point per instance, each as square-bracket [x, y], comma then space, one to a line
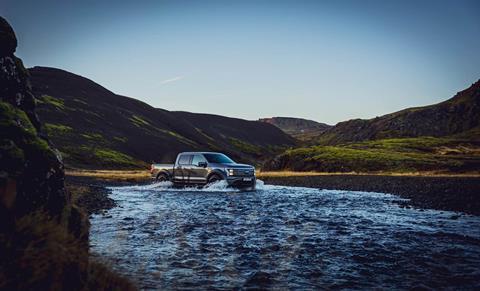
[302, 129]
[95, 128]
[453, 116]
[442, 138]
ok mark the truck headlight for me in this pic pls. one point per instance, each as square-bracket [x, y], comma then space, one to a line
[229, 172]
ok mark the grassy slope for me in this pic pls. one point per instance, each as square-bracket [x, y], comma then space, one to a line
[97, 129]
[459, 153]
[453, 116]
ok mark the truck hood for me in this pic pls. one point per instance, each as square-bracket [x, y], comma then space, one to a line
[232, 166]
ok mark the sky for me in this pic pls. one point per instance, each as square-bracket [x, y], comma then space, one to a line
[323, 60]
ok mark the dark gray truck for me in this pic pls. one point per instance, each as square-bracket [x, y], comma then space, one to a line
[201, 168]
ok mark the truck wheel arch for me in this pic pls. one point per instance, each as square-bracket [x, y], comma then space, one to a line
[216, 173]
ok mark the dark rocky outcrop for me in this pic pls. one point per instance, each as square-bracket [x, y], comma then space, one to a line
[43, 236]
[31, 172]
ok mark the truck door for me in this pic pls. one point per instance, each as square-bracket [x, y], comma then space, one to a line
[198, 173]
[182, 168]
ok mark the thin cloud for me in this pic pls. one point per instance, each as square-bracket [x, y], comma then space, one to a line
[178, 78]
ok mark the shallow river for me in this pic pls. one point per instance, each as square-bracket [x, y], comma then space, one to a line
[283, 238]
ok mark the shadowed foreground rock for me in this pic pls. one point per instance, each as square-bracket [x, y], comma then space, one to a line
[43, 237]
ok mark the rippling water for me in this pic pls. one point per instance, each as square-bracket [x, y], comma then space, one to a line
[283, 237]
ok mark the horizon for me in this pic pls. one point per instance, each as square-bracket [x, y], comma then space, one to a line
[282, 59]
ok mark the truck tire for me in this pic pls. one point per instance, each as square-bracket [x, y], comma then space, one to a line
[161, 177]
[214, 178]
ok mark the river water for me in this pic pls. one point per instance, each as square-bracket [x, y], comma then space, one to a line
[283, 238]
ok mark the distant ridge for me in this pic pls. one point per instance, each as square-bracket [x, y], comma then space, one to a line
[297, 127]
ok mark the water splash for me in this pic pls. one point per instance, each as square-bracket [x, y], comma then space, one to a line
[219, 186]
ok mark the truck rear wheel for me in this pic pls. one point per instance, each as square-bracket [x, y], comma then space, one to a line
[162, 177]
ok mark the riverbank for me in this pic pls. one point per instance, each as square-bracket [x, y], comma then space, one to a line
[441, 191]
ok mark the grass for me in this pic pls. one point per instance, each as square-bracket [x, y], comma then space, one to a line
[40, 254]
[401, 155]
[93, 136]
[56, 102]
[141, 122]
[57, 129]
[120, 139]
[245, 147]
[114, 157]
[112, 175]
[138, 121]
[19, 140]
[179, 137]
[97, 155]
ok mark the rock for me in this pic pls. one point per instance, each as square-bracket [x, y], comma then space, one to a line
[26, 157]
[8, 40]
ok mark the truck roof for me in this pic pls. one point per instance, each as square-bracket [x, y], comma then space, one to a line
[191, 153]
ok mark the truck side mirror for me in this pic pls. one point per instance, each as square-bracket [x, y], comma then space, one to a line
[202, 164]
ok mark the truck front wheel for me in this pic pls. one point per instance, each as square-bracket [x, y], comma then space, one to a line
[214, 178]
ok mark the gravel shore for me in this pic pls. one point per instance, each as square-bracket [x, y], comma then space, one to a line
[442, 193]
[90, 194]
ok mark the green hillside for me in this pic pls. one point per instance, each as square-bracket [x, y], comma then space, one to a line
[95, 128]
[449, 154]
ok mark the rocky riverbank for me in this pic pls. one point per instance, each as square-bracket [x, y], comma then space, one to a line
[442, 193]
[91, 194]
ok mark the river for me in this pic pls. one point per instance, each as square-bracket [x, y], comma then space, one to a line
[283, 238]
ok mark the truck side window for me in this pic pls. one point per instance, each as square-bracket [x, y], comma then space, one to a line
[184, 159]
[197, 159]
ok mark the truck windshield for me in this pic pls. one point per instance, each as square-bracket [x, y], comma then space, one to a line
[218, 159]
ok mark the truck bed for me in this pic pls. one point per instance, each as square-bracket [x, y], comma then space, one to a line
[161, 167]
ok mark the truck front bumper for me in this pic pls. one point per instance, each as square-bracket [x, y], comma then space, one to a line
[242, 182]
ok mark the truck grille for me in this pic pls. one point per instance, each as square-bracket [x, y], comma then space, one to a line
[243, 172]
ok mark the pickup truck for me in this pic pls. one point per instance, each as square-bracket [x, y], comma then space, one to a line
[201, 168]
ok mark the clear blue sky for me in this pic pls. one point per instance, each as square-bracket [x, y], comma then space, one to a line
[323, 60]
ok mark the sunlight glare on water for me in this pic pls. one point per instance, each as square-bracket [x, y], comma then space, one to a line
[283, 237]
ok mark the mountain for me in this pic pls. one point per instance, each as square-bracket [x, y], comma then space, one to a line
[297, 127]
[96, 128]
[444, 138]
[455, 115]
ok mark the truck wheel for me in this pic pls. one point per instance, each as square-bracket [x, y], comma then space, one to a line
[214, 178]
[162, 177]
